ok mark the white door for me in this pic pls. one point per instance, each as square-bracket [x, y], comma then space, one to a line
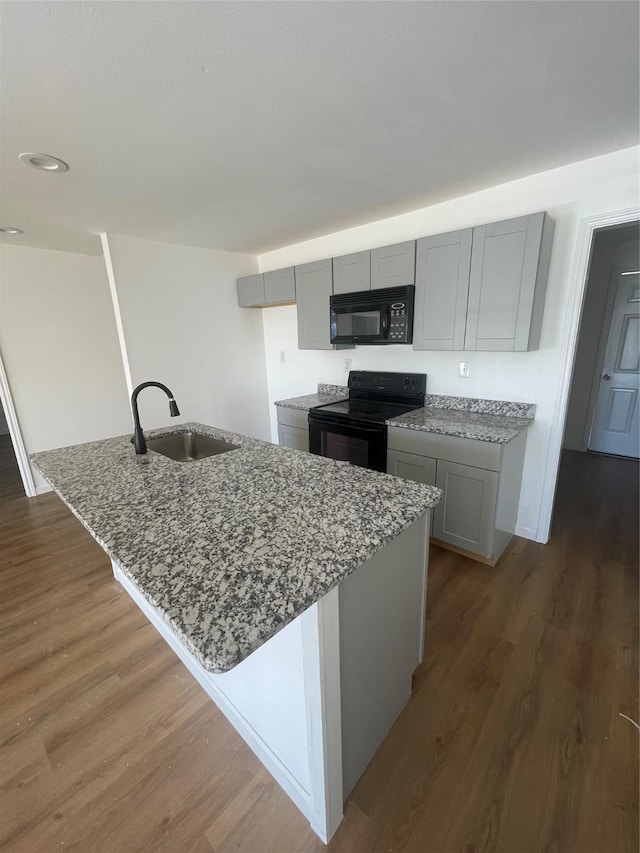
[615, 426]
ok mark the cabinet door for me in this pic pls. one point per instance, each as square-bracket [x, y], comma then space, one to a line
[410, 466]
[505, 269]
[279, 286]
[442, 286]
[294, 437]
[352, 273]
[313, 289]
[465, 516]
[250, 291]
[421, 469]
[393, 266]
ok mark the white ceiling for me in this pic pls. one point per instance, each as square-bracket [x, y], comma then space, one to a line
[251, 125]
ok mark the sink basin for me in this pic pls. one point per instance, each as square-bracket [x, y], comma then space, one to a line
[186, 446]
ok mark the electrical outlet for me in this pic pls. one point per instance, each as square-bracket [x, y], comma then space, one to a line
[347, 364]
[283, 356]
[463, 372]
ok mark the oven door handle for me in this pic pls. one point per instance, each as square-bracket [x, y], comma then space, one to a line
[346, 423]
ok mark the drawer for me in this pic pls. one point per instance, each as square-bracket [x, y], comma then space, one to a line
[293, 417]
[464, 451]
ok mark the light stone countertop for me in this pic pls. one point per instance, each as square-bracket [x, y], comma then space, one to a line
[497, 421]
[231, 548]
[498, 429]
[326, 394]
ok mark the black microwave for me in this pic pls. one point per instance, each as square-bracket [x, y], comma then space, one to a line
[382, 316]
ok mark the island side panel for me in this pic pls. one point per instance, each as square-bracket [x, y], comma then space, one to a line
[321, 652]
[263, 698]
[382, 618]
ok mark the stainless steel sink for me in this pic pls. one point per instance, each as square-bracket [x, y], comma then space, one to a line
[186, 446]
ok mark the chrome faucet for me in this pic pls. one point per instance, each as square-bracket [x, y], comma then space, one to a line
[138, 436]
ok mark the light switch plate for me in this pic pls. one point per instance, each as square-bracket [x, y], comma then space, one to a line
[464, 370]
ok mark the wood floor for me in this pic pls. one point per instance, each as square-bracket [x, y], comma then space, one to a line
[512, 742]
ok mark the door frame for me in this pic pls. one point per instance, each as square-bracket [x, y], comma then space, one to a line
[20, 450]
[577, 292]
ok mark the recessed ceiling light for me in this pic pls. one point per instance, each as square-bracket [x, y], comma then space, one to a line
[44, 162]
[9, 230]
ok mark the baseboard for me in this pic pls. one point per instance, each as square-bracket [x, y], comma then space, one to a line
[527, 533]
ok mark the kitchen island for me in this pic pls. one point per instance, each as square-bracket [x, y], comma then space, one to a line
[292, 586]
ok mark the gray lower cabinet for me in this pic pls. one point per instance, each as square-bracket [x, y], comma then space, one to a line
[393, 266]
[465, 517]
[418, 468]
[352, 273]
[442, 287]
[480, 482]
[293, 428]
[251, 291]
[279, 286]
[507, 284]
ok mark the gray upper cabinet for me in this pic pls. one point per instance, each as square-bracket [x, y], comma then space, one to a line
[507, 284]
[393, 266]
[269, 288]
[352, 272]
[251, 291]
[477, 289]
[442, 286]
[279, 286]
[313, 289]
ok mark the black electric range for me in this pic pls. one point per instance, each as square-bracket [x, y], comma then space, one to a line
[354, 430]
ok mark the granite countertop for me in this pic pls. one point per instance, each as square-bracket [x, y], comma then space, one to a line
[326, 394]
[231, 548]
[497, 421]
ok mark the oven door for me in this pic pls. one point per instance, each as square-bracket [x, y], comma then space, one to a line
[360, 323]
[362, 444]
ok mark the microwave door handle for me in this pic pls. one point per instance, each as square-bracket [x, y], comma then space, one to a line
[385, 322]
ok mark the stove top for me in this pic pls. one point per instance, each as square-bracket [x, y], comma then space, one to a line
[374, 397]
[365, 410]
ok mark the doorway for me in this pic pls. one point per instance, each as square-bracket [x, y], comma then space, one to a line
[602, 413]
[12, 445]
[601, 427]
[10, 480]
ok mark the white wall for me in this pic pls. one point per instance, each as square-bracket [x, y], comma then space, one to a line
[569, 193]
[60, 350]
[182, 326]
[605, 259]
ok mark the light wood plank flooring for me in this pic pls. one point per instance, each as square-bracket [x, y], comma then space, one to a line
[512, 742]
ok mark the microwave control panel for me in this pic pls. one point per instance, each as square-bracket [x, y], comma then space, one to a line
[399, 328]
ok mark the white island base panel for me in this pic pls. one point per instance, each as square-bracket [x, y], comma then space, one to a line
[316, 700]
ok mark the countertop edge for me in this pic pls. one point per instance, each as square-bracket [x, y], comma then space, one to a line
[470, 433]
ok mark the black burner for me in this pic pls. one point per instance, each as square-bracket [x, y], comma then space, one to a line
[366, 410]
